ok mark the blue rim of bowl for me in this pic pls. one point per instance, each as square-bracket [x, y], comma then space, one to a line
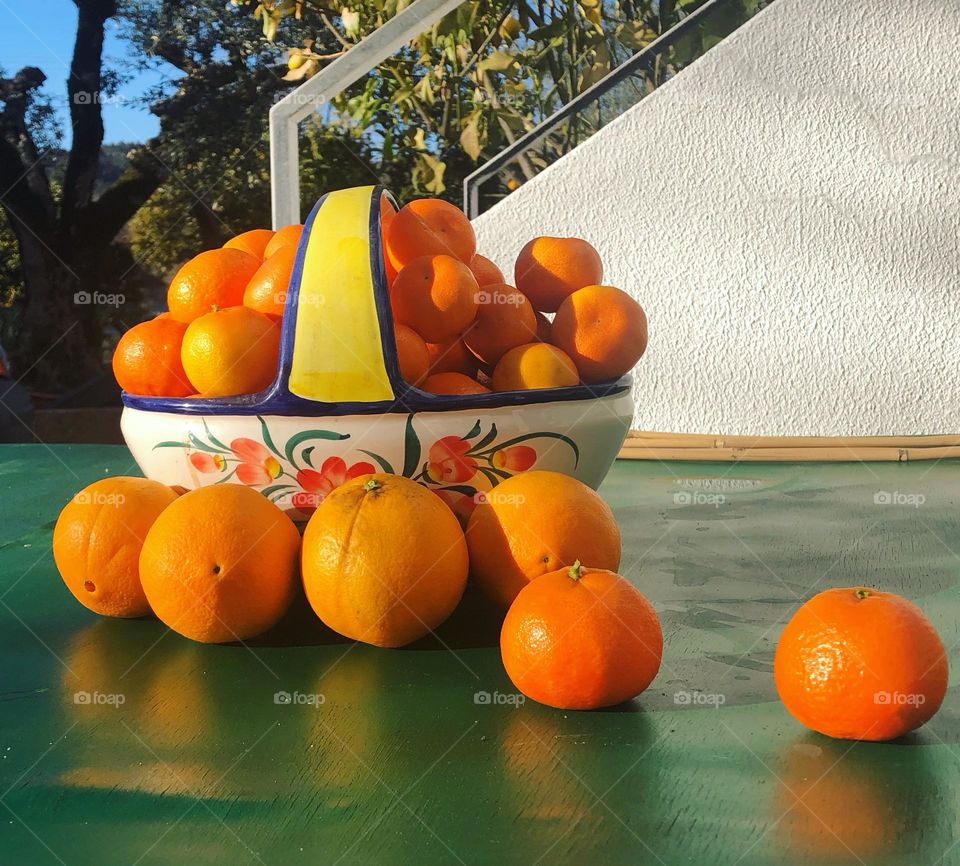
[277, 399]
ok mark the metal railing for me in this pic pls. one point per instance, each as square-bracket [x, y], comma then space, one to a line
[629, 68]
[328, 83]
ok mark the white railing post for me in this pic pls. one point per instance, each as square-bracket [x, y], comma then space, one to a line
[329, 82]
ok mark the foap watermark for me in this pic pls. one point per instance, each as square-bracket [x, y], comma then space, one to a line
[698, 497]
[313, 100]
[499, 298]
[100, 699]
[86, 497]
[899, 699]
[683, 698]
[96, 97]
[493, 497]
[897, 497]
[299, 699]
[99, 299]
[308, 300]
[485, 699]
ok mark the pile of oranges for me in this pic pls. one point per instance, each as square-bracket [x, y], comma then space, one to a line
[383, 560]
[460, 328]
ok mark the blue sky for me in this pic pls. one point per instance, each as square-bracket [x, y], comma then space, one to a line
[41, 33]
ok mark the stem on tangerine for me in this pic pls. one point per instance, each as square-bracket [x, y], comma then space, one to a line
[862, 593]
[575, 570]
[372, 484]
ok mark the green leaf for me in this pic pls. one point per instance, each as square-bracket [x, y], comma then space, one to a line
[483, 443]
[305, 454]
[213, 438]
[267, 438]
[474, 430]
[171, 445]
[306, 436]
[276, 488]
[383, 464]
[496, 61]
[411, 449]
[460, 488]
[200, 445]
[472, 138]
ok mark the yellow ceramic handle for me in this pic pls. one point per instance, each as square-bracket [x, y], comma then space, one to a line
[337, 350]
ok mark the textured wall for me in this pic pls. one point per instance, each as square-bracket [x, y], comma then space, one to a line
[787, 210]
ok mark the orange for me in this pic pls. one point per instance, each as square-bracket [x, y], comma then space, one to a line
[544, 326]
[212, 279]
[452, 383]
[535, 523]
[860, 664]
[486, 272]
[267, 290]
[412, 354]
[387, 213]
[287, 236]
[603, 330]
[504, 319]
[549, 269]
[147, 359]
[429, 227]
[254, 242]
[453, 356]
[581, 638]
[220, 564]
[384, 560]
[436, 296]
[97, 541]
[534, 365]
[232, 351]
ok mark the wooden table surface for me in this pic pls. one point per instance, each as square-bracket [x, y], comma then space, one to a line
[182, 754]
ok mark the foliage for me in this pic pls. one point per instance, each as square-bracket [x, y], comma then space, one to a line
[480, 78]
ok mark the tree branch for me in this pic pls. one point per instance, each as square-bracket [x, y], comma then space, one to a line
[86, 116]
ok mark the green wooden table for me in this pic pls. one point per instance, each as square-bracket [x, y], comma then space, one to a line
[122, 743]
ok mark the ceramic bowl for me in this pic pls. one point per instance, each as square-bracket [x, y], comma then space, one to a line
[339, 407]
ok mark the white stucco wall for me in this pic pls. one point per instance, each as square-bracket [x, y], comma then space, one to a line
[787, 210]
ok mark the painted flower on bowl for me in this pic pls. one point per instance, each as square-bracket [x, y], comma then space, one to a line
[257, 465]
[448, 461]
[516, 458]
[204, 462]
[318, 484]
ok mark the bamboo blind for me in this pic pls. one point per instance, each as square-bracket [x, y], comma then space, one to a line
[643, 445]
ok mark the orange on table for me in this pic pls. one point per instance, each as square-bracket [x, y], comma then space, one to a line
[504, 319]
[581, 638]
[267, 290]
[231, 351]
[287, 236]
[534, 365]
[603, 330]
[549, 269]
[539, 521]
[254, 242]
[860, 664]
[453, 356]
[384, 560]
[412, 354]
[486, 272]
[220, 564]
[147, 359]
[452, 383]
[436, 296]
[215, 278]
[97, 541]
[429, 227]
[544, 328]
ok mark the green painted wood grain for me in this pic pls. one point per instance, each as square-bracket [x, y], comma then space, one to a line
[398, 763]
